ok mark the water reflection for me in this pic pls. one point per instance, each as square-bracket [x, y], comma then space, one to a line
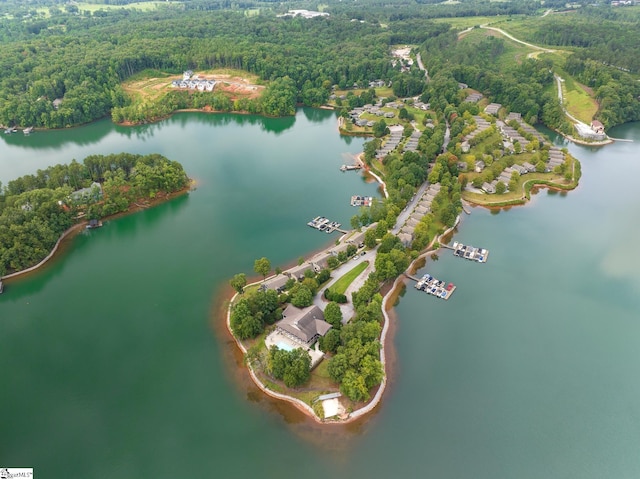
[57, 139]
[317, 115]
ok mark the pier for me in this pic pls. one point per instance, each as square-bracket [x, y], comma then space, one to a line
[344, 168]
[433, 286]
[469, 252]
[324, 224]
[361, 200]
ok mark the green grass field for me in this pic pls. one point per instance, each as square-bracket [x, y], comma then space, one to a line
[513, 51]
[466, 22]
[343, 283]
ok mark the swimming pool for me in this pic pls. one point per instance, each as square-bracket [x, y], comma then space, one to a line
[285, 346]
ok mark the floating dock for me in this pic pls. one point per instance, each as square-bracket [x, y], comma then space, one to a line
[361, 200]
[435, 287]
[344, 168]
[323, 224]
[469, 252]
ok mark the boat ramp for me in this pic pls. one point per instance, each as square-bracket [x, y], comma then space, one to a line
[361, 200]
[323, 224]
[434, 286]
[469, 252]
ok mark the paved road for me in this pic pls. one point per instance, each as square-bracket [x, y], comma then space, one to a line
[347, 309]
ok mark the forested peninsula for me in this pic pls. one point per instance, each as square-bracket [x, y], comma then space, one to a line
[36, 209]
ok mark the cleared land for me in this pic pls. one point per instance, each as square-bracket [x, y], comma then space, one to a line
[152, 85]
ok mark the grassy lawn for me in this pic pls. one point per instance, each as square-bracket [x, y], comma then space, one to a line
[580, 104]
[524, 186]
[343, 283]
[578, 100]
[320, 380]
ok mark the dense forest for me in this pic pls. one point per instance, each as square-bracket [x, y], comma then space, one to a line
[84, 63]
[36, 209]
[54, 51]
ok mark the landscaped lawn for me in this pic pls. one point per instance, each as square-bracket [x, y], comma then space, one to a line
[343, 283]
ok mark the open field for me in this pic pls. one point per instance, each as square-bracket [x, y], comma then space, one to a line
[523, 27]
[578, 99]
[145, 6]
[513, 51]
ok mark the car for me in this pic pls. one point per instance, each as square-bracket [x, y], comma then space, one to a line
[363, 253]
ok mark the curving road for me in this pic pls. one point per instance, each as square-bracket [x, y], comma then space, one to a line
[511, 37]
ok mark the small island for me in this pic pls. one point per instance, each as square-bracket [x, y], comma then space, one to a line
[38, 211]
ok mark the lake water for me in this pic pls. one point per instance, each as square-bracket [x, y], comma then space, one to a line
[113, 364]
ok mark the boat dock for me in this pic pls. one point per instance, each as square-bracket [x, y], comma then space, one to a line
[361, 200]
[323, 224]
[344, 168]
[469, 252]
[434, 286]
[28, 130]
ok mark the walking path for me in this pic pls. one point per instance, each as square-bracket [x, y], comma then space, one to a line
[421, 67]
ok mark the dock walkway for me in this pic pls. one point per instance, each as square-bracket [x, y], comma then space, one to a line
[324, 224]
[434, 286]
[469, 252]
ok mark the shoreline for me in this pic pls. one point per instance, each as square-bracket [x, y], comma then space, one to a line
[75, 229]
[394, 294]
[387, 311]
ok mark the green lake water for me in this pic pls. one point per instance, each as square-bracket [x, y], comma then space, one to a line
[110, 366]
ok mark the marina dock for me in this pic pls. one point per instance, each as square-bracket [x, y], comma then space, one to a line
[323, 224]
[361, 200]
[434, 286]
[469, 252]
